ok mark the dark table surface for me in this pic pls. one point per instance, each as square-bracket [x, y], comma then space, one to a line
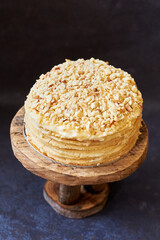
[35, 35]
[132, 211]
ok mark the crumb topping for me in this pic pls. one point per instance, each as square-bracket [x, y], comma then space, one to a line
[85, 95]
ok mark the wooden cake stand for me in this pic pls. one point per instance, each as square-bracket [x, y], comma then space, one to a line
[75, 192]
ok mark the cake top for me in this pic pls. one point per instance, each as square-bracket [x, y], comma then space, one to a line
[85, 98]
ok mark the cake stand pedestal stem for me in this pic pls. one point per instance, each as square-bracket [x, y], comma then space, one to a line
[69, 194]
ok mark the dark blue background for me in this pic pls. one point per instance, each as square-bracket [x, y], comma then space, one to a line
[36, 35]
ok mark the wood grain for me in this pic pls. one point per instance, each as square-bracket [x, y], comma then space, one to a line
[88, 204]
[46, 168]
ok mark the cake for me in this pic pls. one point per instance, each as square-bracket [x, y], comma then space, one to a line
[84, 113]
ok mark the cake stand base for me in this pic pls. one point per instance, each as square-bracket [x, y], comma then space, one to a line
[88, 203]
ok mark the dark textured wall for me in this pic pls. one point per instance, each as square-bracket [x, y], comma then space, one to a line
[34, 36]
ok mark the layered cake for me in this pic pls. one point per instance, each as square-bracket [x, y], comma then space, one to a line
[84, 112]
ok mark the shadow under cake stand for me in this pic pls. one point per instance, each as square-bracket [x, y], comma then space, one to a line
[75, 192]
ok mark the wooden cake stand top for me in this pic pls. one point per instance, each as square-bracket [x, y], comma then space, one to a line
[71, 175]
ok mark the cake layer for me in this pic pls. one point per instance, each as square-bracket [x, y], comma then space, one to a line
[94, 152]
